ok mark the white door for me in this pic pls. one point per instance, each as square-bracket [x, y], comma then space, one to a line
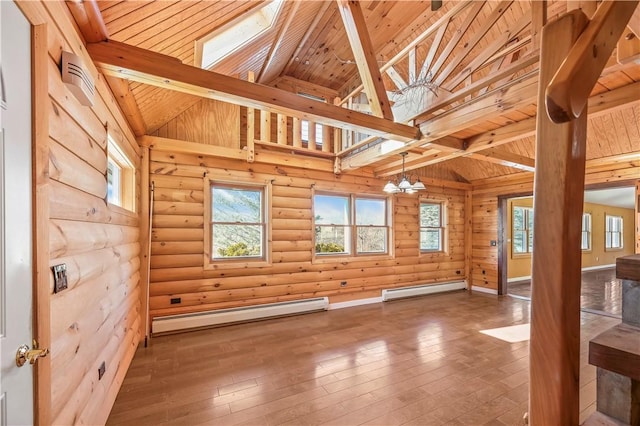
[16, 383]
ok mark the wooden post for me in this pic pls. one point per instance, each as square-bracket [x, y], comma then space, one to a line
[144, 243]
[558, 200]
[326, 138]
[468, 237]
[637, 217]
[297, 132]
[40, 166]
[265, 126]
[538, 21]
[251, 124]
[282, 129]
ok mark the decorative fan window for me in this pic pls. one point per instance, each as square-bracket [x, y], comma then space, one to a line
[219, 44]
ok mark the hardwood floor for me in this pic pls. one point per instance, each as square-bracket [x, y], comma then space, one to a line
[419, 361]
[601, 292]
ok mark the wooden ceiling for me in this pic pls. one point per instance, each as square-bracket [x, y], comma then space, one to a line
[308, 43]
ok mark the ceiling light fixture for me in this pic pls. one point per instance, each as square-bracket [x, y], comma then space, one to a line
[405, 185]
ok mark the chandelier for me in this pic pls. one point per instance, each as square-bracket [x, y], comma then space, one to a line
[405, 185]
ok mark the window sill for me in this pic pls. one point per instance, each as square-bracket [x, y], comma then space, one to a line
[614, 249]
[349, 259]
[520, 255]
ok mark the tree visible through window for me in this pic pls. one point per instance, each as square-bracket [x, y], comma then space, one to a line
[431, 227]
[522, 238]
[349, 224]
[613, 232]
[586, 232]
[237, 222]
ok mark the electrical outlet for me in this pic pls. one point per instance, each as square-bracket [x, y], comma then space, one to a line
[101, 370]
[59, 277]
[176, 300]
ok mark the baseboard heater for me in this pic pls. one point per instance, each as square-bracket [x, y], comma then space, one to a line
[233, 315]
[421, 290]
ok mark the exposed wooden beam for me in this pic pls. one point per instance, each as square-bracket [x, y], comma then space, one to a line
[89, 19]
[128, 104]
[504, 158]
[428, 60]
[477, 36]
[293, 9]
[538, 20]
[124, 61]
[628, 49]
[91, 24]
[453, 42]
[634, 22]
[482, 58]
[554, 350]
[365, 57]
[569, 90]
[444, 20]
[484, 109]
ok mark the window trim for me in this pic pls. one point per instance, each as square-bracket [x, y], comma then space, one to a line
[241, 262]
[589, 233]
[127, 195]
[444, 237]
[606, 231]
[528, 231]
[353, 254]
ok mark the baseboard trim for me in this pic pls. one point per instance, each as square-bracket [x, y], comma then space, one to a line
[356, 302]
[484, 290]
[514, 279]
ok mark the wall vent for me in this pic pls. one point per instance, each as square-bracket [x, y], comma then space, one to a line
[76, 77]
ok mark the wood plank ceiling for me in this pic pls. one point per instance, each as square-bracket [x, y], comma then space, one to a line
[309, 43]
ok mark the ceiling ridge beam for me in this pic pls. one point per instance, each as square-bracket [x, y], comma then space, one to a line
[365, 57]
[124, 61]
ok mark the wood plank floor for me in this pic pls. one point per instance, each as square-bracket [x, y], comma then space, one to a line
[419, 361]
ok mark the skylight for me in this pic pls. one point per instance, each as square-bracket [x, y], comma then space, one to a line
[218, 45]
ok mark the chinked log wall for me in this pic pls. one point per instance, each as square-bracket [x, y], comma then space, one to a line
[485, 212]
[96, 319]
[178, 233]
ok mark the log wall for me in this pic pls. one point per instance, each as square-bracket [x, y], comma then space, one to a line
[485, 220]
[177, 260]
[96, 319]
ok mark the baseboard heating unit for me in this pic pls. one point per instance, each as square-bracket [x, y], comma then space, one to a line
[421, 290]
[233, 315]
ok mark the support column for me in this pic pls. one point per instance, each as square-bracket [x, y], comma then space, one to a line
[558, 200]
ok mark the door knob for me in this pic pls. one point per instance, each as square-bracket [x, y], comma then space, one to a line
[25, 354]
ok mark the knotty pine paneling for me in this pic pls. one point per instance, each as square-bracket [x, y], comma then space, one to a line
[96, 319]
[177, 259]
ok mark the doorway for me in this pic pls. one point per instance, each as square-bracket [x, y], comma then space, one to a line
[607, 233]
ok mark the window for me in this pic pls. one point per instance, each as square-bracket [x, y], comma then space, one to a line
[431, 227]
[613, 232]
[221, 43]
[586, 231]
[121, 177]
[522, 230]
[350, 225]
[237, 222]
